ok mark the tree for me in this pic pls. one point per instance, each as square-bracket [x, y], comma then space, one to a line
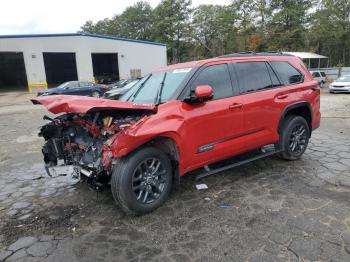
[136, 21]
[244, 10]
[330, 31]
[213, 30]
[104, 26]
[171, 25]
[321, 26]
[288, 24]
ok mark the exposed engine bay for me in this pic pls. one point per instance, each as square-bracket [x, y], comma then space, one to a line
[80, 143]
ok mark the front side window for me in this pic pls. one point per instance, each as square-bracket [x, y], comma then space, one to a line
[254, 76]
[218, 77]
[287, 73]
[315, 74]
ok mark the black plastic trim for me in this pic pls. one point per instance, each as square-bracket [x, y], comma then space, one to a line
[291, 107]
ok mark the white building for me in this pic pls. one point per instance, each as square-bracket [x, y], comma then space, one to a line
[29, 61]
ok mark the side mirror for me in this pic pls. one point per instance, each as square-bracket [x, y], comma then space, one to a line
[204, 92]
[200, 94]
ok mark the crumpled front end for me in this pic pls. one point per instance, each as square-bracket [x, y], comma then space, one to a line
[80, 144]
[80, 140]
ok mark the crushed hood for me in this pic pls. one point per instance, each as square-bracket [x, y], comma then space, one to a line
[81, 104]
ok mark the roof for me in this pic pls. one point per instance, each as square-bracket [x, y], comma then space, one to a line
[252, 53]
[83, 34]
[242, 56]
[306, 55]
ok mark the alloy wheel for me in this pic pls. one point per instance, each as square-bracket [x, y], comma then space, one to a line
[297, 140]
[149, 180]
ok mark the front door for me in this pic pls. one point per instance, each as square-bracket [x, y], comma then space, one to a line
[213, 128]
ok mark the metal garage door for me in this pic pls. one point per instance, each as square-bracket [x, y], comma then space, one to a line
[60, 67]
[12, 72]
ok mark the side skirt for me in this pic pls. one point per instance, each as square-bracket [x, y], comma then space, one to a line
[263, 153]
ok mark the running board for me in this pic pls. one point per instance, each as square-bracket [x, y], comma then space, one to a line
[209, 172]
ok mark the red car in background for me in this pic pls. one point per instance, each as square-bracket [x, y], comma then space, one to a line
[183, 118]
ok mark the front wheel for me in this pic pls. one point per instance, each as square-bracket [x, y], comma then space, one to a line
[294, 137]
[142, 181]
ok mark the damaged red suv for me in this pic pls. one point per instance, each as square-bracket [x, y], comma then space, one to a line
[183, 118]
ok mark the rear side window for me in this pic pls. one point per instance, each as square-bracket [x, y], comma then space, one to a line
[218, 77]
[274, 79]
[323, 74]
[315, 74]
[287, 73]
[253, 76]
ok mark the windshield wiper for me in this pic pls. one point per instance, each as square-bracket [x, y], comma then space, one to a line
[139, 89]
[160, 91]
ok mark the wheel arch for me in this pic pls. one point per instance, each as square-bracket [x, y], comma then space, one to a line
[169, 144]
[302, 109]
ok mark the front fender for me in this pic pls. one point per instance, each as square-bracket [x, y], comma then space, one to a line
[168, 122]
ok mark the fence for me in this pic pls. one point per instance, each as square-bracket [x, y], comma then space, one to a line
[333, 72]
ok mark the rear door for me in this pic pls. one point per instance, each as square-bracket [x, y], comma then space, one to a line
[266, 89]
[258, 86]
[213, 128]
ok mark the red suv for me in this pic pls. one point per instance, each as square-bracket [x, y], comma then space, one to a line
[183, 118]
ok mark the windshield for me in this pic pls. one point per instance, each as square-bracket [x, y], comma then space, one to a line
[157, 87]
[343, 79]
[131, 84]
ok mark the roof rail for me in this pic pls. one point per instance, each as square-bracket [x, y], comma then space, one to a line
[252, 53]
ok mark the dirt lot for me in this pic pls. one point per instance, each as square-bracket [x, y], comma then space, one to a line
[270, 210]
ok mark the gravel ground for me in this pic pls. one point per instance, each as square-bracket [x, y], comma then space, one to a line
[269, 210]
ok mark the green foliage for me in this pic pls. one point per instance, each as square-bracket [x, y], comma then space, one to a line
[171, 25]
[330, 31]
[321, 26]
[212, 30]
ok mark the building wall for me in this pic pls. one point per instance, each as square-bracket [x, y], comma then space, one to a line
[131, 55]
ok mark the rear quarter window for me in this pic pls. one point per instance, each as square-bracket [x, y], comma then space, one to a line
[287, 73]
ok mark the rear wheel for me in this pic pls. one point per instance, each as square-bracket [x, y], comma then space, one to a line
[294, 137]
[142, 181]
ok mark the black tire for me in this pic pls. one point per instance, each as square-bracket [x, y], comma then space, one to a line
[95, 94]
[133, 172]
[294, 137]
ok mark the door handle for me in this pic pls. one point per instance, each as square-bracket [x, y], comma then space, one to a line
[235, 106]
[282, 96]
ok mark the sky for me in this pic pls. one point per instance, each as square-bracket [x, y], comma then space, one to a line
[63, 16]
